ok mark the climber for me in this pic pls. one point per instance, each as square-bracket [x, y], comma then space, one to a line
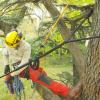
[16, 53]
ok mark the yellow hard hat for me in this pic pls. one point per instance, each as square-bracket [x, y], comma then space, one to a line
[12, 39]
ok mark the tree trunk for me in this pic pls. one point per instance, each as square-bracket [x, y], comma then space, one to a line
[91, 76]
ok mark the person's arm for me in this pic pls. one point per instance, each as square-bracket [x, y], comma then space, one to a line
[6, 61]
[25, 58]
[5, 57]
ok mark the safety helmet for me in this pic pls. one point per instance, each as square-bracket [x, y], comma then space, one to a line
[12, 39]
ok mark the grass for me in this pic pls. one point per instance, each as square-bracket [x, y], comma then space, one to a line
[52, 65]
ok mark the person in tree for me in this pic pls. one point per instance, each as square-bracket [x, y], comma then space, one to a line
[18, 52]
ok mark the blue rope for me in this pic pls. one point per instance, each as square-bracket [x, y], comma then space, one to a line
[18, 86]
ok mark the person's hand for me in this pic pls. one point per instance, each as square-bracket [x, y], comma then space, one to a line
[14, 73]
[7, 77]
[6, 71]
[35, 64]
[18, 72]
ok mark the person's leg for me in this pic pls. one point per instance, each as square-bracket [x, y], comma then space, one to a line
[40, 76]
[9, 83]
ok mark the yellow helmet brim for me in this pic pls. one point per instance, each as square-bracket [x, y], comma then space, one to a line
[11, 45]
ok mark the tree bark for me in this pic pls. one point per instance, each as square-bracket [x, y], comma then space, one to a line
[75, 74]
[91, 76]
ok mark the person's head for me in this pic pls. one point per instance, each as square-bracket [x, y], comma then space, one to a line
[12, 39]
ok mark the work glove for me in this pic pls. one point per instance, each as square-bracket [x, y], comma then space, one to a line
[6, 69]
[34, 65]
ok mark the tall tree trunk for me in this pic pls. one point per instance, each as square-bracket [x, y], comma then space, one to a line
[91, 76]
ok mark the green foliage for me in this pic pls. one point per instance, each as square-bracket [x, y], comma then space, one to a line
[13, 16]
[76, 2]
[35, 47]
[73, 13]
[56, 36]
[83, 2]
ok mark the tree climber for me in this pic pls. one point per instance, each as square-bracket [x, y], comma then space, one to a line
[18, 52]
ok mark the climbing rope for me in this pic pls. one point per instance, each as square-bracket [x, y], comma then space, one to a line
[56, 22]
